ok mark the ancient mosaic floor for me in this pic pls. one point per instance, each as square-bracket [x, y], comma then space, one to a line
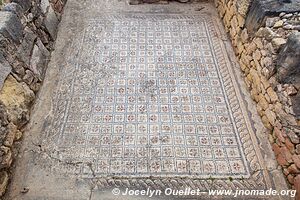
[146, 95]
[152, 97]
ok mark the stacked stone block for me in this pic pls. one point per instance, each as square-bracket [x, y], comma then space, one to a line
[260, 56]
[27, 33]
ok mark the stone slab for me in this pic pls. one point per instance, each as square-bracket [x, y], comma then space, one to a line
[25, 4]
[25, 49]
[289, 60]
[51, 22]
[288, 67]
[11, 27]
[14, 8]
[261, 9]
[5, 70]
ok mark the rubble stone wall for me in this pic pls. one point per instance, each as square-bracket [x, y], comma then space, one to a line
[27, 33]
[269, 65]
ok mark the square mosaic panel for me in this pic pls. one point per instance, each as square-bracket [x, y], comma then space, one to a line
[151, 96]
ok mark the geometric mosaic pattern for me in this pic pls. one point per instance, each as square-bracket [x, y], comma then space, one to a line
[152, 96]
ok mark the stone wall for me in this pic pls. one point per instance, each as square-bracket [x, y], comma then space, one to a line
[27, 33]
[269, 64]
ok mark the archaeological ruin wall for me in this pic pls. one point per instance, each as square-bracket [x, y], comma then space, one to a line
[266, 39]
[27, 34]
